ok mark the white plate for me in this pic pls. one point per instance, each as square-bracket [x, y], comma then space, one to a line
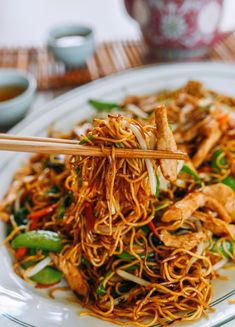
[21, 304]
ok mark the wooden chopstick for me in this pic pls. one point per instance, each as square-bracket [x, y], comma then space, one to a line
[37, 139]
[71, 147]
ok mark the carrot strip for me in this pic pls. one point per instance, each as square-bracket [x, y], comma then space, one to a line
[153, 229]
[19, 253]
[43, 212]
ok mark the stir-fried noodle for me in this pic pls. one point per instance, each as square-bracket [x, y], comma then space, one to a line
[137, 240]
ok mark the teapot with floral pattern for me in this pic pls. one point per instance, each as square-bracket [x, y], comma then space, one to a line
[178, 29]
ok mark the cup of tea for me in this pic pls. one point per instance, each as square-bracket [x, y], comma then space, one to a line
[17, 89]
[178, 29]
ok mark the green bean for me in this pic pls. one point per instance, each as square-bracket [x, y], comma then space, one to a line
[39, 239]
[47, 276]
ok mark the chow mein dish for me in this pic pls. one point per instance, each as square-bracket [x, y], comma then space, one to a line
[137, 240]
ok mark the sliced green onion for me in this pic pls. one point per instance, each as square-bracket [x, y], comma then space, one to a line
[218, 160]
[163, 205]
[157, 187]
[186, 169]
[103, 106]
[128, 256]
[86, 139]
[229, 181]
[101, 290]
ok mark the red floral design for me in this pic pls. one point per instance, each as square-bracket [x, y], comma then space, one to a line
[174, 23]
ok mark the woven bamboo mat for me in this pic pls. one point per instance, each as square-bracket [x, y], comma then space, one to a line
[109, 58]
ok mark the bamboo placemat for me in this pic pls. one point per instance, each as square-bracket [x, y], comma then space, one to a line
[109, 58]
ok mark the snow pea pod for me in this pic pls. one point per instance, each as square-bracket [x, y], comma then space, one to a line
[38, 239]
[47, 276]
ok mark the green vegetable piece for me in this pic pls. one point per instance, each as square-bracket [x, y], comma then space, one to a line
[101, 287]
[77, 170]
[60, 210]
[229, 181]
[118, 145]
[128, 256]
[163, 205]
[47, 276]
[158, 187]
[103, 106]
[86, 138]
[218, 246]
[218, 160]
[28, 264]
[38, 239]
[186, 169]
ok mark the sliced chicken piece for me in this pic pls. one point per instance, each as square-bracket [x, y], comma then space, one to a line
[220, 228]
[187, 241]
[165, 141]
[72, 274]
[185, 208]
[212, 135]
[224, 195]
[191, 133]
